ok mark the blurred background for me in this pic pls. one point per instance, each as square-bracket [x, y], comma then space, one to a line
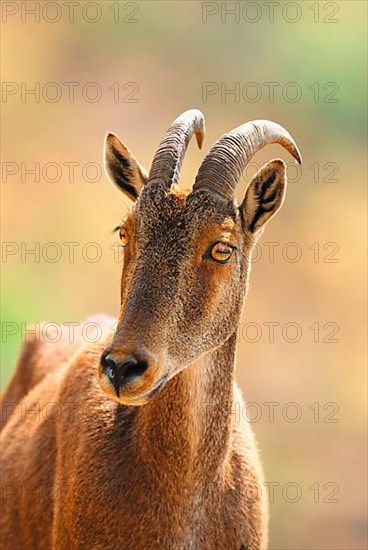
[131, 68]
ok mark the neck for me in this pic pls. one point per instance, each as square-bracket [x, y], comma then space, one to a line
[187, 427]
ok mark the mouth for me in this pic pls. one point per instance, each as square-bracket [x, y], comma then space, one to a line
[159, 386]
[135, 392]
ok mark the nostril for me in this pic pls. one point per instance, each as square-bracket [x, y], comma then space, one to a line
[131, 368]
[110, 365]
[123, 372]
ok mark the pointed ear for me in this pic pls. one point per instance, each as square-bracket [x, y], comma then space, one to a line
[264, 196]
[122, 167]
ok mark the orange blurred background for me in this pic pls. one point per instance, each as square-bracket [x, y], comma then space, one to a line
[132, 67]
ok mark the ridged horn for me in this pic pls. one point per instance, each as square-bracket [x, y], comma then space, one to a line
[168, 159]
[224, 164]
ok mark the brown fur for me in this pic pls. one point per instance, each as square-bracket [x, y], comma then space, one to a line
[180, 472]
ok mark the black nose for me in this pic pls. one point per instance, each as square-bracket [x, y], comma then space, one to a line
[121, 373]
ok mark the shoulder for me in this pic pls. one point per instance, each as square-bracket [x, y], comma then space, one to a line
[49, 348]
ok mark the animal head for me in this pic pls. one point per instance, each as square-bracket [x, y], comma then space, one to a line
[186, 253]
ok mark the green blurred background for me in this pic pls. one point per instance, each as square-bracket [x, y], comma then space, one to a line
[162, 54]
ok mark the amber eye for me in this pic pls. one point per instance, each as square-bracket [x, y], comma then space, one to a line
[221, 252]
[123, 234]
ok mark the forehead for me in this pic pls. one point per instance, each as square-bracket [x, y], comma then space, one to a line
[178, 212]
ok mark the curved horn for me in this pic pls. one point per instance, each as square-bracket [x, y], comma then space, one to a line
[223, 166]
[170, 153]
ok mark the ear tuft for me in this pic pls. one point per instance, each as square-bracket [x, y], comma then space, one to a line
[122, 167]
[264, 196]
